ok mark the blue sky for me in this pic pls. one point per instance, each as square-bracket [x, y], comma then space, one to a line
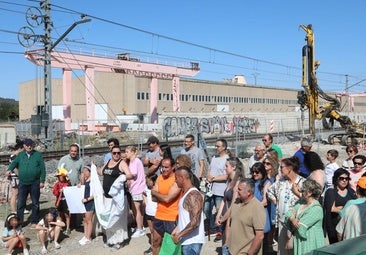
[259, 39]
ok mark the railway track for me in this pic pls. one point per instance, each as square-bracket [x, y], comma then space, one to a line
[50, 155]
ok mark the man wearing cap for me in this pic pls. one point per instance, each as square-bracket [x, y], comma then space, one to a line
[32, 175]
[153, 156]
[353, 221]
[306, 145]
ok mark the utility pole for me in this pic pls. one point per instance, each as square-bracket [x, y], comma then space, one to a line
[47, 121]
[347, 95]
[27, 38]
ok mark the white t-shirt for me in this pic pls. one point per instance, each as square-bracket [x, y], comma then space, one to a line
[329, 170]
[150, 205]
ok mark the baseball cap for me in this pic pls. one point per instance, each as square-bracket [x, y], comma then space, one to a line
[28, 141]
[152, 139]
[362, 182]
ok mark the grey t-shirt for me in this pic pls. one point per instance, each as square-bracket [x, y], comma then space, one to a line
[196, 155]
[73, 167]
[217, 167]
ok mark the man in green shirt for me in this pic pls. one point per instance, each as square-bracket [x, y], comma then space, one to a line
[268, 143]
[32, 175]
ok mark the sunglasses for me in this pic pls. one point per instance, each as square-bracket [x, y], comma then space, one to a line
[350, 151]
[255, 172]
[358, 163]
[116, 153]
[343, 178]
[267, 163]
[264, 140]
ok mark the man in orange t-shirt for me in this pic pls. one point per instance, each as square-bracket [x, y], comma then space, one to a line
[167, 193]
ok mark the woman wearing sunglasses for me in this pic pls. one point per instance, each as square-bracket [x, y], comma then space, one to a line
[262, 183]
[334, 200]
[352, 151]
[117, 232]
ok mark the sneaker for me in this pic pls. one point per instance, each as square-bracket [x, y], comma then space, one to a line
[67, 232]
[26, 211]
[25, 252]
[44, 250]
[138, 233]
[87, 241]
[82, 240]
[148, 251]
[218, 237]
[57, 245]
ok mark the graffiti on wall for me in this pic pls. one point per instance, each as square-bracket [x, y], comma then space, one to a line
[174, 126]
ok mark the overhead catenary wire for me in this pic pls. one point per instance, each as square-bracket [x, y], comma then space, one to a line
[213, 59]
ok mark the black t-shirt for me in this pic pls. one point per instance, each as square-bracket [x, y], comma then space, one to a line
[109, 176]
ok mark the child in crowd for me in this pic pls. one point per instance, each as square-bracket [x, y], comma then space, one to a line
[13, 235]
[49, 229]
[88, 202]
[330, 168]
[61, 205]
[150, 207]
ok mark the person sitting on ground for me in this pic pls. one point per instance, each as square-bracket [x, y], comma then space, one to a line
[49, 228]
[13, 236]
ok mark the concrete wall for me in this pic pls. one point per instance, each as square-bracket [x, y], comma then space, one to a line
[7, 135]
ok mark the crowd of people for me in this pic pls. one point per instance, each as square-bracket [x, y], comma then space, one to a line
[271, 205]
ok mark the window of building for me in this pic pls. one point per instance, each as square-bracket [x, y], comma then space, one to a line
[138, 95]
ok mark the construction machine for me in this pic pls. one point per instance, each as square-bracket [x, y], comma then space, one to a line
[309, 98]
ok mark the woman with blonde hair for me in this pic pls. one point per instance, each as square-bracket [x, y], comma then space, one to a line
[136, 186]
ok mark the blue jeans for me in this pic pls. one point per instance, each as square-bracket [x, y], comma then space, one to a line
[210, 202]
[191, 249]
[23, 191]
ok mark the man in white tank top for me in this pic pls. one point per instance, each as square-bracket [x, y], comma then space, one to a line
[190, 230]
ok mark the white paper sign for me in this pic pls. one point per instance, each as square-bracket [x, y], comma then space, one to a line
[73, 196]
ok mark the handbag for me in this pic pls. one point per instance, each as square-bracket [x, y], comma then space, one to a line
[168, 247]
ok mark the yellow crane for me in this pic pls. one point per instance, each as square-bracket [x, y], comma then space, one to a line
[309, 97]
